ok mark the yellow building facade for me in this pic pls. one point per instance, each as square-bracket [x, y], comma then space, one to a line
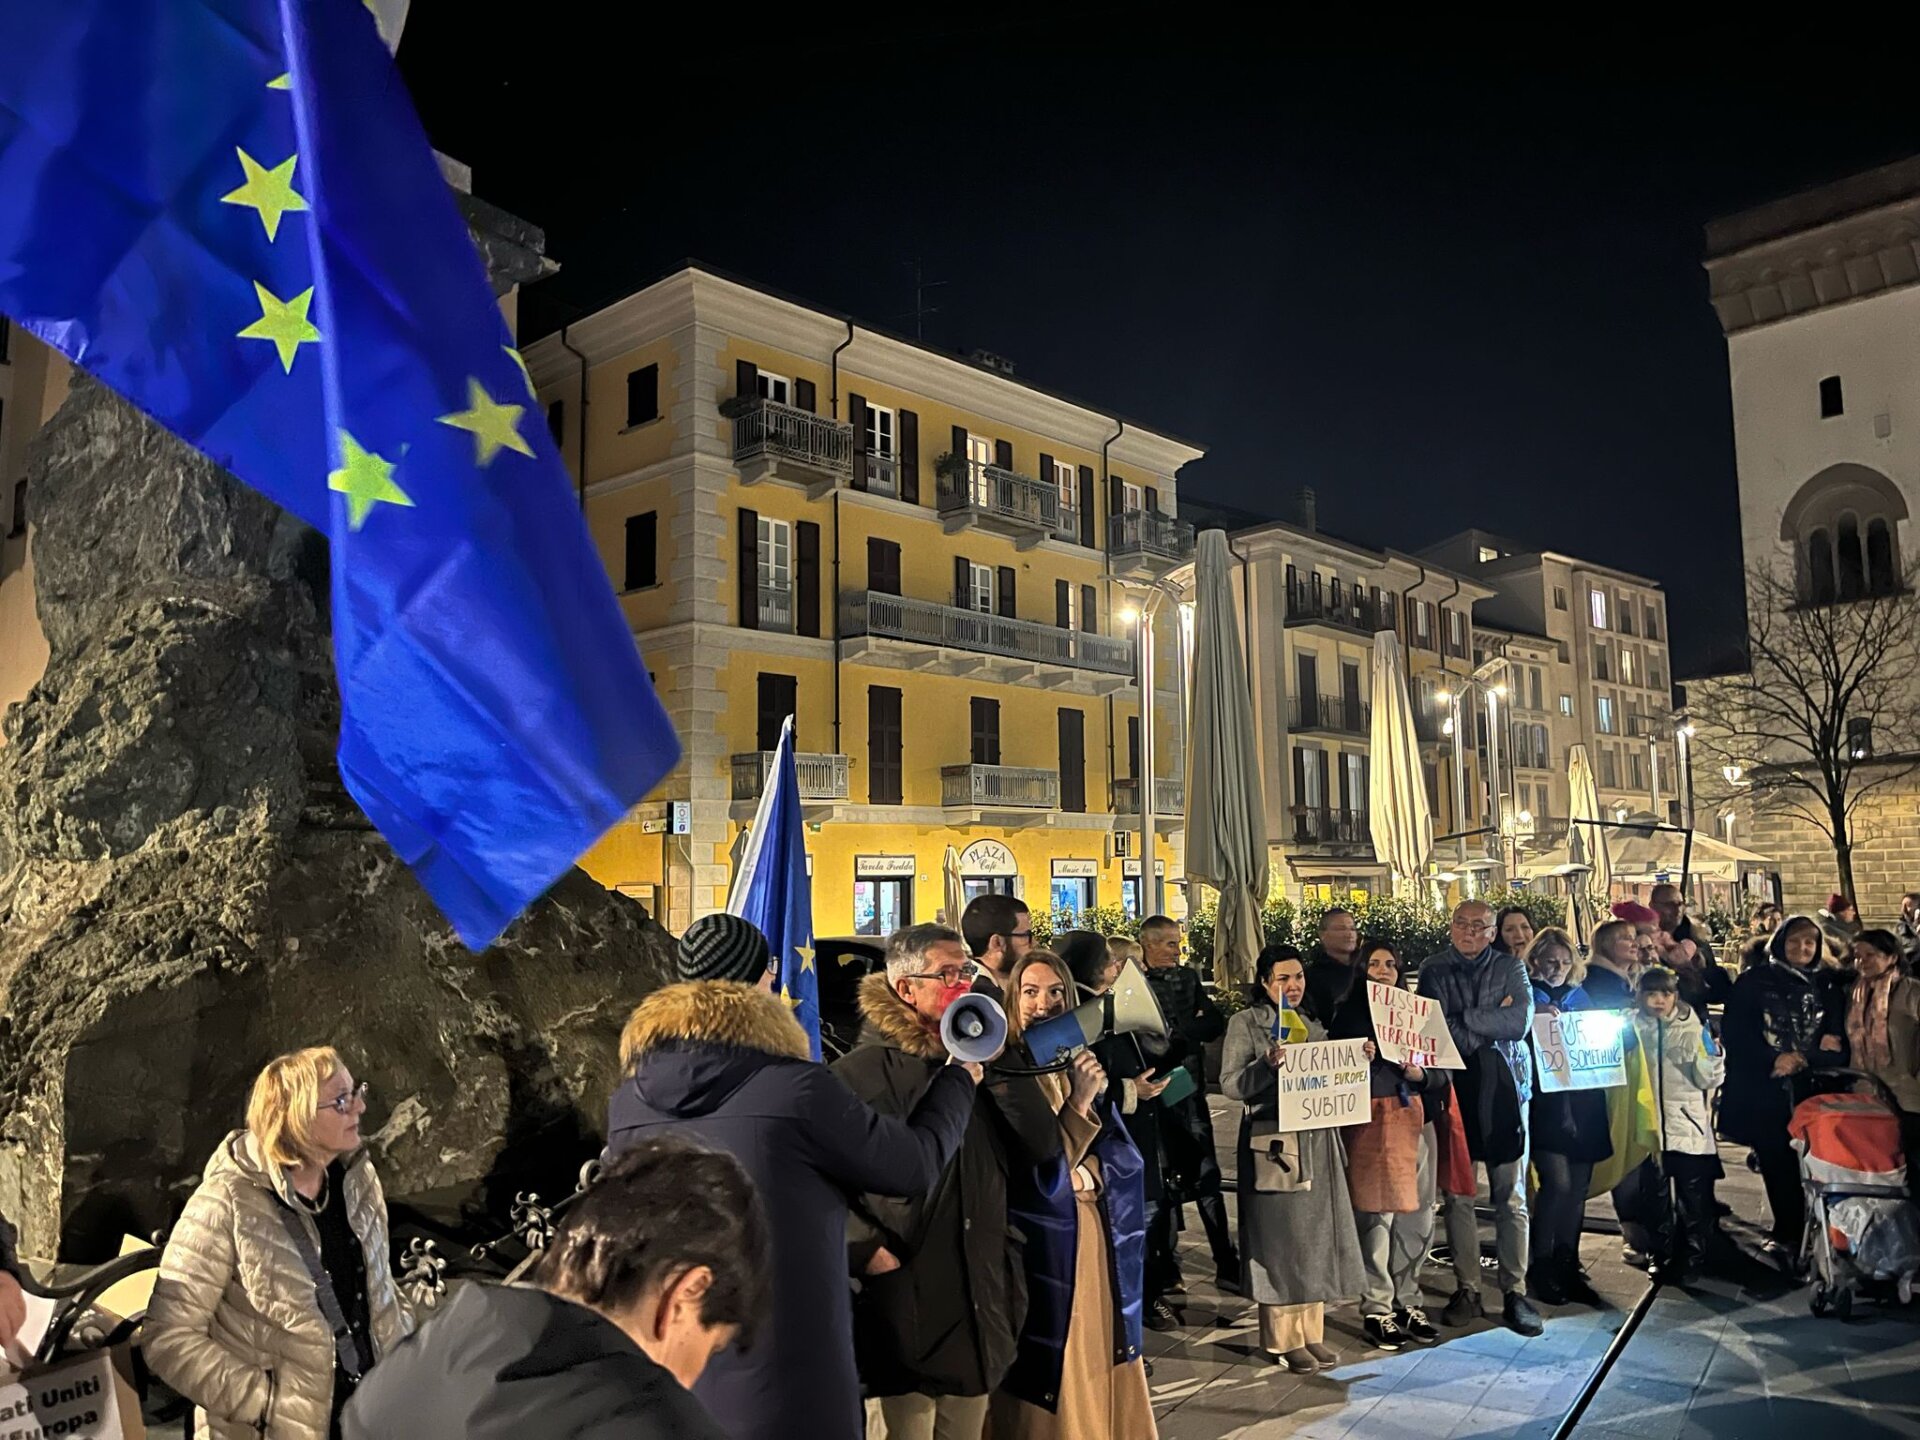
[931, 565]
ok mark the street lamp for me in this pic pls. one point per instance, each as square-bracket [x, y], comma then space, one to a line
[1682, 736]
[1450, 727]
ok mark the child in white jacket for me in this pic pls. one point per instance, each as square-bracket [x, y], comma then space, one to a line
[1687, 1067]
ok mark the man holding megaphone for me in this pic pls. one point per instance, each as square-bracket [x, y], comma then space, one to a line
[943, 1291]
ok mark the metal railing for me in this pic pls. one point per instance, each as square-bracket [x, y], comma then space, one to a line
[999, 785]
[766, 429]
[1317, 825]
[1329, 712]
[868, 612]
[883, 474]
[776, 608]
[822, 777]
[1147, 532]
[1169, 797]
[999, 494]
[1354, 612]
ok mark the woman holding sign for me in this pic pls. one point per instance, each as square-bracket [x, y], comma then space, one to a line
[1570, 1135]
[1297, 1236]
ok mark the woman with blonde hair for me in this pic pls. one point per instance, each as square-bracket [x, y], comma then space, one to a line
[275, 1293]
[1571, 1135]
[1080, 1372]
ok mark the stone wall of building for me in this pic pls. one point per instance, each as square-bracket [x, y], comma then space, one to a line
[1886, 859]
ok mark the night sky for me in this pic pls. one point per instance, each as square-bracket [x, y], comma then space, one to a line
[1439, 295]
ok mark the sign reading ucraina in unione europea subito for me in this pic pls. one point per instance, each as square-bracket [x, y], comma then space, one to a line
[1323, 1083]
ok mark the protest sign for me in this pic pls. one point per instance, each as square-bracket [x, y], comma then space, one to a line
[88, 1397]
[1410, 1029]
[1324, 1083]
[1580, 1050]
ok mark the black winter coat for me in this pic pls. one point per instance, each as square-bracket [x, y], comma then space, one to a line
[1776, 1009]
[1329, 983]
[948, 1320]
[728, 1066]
[515, 1363]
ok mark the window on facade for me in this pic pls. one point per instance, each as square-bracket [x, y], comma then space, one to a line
[642, 567]
[986, 731]
[880, 430]
[1602, 663]
[1313, 777]
[643, 395]
[1860, 739]
[1457, 632]
[1533, 686]
[1132, 497]
[1609, 769]
[1603, 707]
[1844, 527]
[1830, 402]
[881, 907]
[1851, 564]
[777, 697]
[1597, 608]
[1542, 757]
[980, 588]
[776, 574]
[1624, 612]
[1626, 666]
[1487, 552]
[1656, 675]
[883, 745]
[1423, 623]
[1559, 597]
[1634, 780]
[1067, 480]
[776, 388]
[1881, 579]
[1566, 705]
[1653, 623]
[1354, 783]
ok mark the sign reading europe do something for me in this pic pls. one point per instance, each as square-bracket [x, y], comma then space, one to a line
[1323, 1083]
[1580, 1050]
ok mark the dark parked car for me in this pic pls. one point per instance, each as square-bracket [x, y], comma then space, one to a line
[842, 962]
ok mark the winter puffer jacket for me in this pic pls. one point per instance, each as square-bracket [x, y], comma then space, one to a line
[234, 1324]
[1684, 1075]
[1776, 1009]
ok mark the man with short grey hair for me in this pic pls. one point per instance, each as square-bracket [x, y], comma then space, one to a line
[1488, 1003]
[935, 1336]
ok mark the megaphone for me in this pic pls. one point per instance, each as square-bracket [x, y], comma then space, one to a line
[1127, 1009]
[974, 1029]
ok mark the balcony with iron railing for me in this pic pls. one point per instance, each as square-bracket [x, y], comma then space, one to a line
[1169, 798]
[871, 614]
[772, 441]
[999, 787]
[1354, 612]
[775, 608]
[821, 777]
[882, 473]
[1143, 543]
[1319, 825]
[1329, 714]
[991, 498]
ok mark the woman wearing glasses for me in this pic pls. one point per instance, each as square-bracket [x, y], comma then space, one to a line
[275, 1294]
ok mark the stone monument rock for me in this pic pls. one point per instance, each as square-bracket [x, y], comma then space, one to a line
[186, 889]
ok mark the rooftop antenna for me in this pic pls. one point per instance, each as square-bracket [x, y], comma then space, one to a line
[920, 309]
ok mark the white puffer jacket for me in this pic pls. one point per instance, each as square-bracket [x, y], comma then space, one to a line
[1684, 1074]
[234, 1324]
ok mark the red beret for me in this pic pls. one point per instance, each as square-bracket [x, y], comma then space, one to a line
[1634, 913]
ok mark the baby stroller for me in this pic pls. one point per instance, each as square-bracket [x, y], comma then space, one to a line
[1863, 1233]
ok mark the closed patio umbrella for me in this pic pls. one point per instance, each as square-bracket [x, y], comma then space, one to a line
[1587, 844]
[1397, 809]
[1226, 817]
[954, 892]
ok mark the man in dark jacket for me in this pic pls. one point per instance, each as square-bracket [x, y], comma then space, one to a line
[1332, 964]
[1689, 952]
[1488, 1002]
[658, 1266]
[728, 1066]
[1190, 1168]
[943, 1290]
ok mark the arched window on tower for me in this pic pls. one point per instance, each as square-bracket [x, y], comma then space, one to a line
[1882, 576]
[1851, 562]
[1820, 589]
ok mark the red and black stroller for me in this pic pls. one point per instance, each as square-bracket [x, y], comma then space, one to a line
[1863, 1233]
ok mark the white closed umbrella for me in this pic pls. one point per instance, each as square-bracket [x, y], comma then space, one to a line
[1226, 817]
[1397, 809]
[954, 891]
[1587, 844]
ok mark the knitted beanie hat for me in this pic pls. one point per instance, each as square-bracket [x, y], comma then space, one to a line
[723, 947]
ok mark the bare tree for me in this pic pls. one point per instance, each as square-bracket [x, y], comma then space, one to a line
[1826, 714]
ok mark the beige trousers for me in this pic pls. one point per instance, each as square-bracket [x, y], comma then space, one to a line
[1292, 1327]
[926, 1417]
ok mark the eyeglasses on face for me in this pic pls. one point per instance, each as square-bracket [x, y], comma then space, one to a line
[1026, 934]
[343, 1104]
[1471, 926]
[949, 975]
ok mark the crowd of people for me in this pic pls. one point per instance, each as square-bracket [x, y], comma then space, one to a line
[908, 1244]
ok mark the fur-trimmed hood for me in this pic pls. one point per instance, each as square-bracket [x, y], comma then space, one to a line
[690, 1048]
[893, 1022]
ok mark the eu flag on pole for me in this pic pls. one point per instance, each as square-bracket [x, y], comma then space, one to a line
[227, 211]
[772, 889]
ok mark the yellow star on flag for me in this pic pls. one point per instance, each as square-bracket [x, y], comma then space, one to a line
[281, 82]
[270, 192]
[525, 374]
[284, 322]
[494, 426]
[793, 1001]
[805, 952]
[366, 480]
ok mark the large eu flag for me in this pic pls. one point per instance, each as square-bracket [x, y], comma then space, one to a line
[227, 210]
[773, 890]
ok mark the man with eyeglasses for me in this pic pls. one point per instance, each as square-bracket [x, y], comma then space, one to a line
[940, 1307]
[998, 931]
[1488, 1002]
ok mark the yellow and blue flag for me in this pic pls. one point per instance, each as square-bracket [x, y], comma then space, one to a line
[227, 210]
[774, 891]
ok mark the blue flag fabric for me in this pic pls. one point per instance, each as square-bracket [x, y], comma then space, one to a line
[227, 210]
[773, 890]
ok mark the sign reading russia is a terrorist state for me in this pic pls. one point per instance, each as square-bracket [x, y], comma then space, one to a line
[1410, 1029]
[1323, 1083]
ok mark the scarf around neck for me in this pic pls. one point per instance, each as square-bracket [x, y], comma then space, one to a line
[1867, 1022]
